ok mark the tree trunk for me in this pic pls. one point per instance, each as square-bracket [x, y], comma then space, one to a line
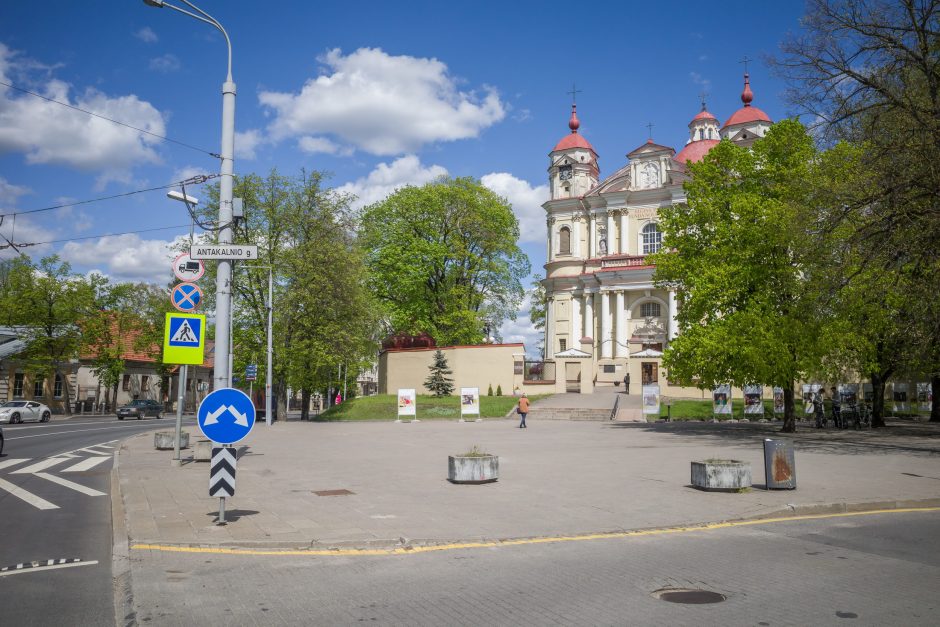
[304, 404]
[111, 403]
[789, 420]
[67, 391]
[878, 383]
[935, 403]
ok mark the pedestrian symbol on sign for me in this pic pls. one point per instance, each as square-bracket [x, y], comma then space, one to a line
[185, 333]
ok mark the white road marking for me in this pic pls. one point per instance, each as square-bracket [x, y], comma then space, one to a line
[13, 462]
[86, 464]
[40, 466]
[69, 484]
[29, 497]
[42, 568]
[90, 450]
[126, 425]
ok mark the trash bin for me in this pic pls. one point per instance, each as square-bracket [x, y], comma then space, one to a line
[779, 464]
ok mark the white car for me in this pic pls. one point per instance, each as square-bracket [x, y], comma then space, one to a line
[24, 411]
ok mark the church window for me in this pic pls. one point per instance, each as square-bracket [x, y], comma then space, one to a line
[652, 238]
[37, 388]
[650, 310]
[564, 241]
[562, 345]
[698, 134]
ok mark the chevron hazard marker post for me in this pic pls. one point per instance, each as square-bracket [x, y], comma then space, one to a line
[222, 476]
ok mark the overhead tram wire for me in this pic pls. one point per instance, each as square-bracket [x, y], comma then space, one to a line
[118, 122]
[78, 239]
[195, 180]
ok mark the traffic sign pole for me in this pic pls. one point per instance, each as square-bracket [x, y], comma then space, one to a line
[181, 393]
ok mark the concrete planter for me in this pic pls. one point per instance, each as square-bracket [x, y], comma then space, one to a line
[165, 440]
[721, 474]
[203, 451]
[477, 469]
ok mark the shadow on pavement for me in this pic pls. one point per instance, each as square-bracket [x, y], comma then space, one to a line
[232, 515]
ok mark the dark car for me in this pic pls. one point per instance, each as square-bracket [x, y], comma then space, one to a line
[140, 408]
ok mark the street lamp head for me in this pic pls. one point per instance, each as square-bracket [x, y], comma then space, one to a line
[175, 195]
[154, 3]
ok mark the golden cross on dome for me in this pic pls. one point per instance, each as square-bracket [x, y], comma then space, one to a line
[574, 93]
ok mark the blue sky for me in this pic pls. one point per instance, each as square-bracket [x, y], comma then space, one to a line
[380, 94]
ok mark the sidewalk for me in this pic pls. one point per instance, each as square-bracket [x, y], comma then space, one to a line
[556, 478]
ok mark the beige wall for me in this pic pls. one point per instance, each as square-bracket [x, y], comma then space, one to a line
[472, 366]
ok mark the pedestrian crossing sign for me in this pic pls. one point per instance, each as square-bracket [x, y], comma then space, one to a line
[184, 339]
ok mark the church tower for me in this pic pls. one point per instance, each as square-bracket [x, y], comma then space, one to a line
[573, 169]
[748, 123]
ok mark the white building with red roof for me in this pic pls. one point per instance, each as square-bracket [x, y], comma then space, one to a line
[604, 317]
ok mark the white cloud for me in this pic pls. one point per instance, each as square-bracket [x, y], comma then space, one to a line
[24, 231]
[9, 193]
[125, 257]
[48, 133]
[526, 203]
[147, 35]
[382, 104]
[246, 143]
[315, 145]
[386, 178]
[698, 79]
[165, 63]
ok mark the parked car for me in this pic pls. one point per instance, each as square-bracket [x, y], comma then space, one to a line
[13, 412]
[139, 408]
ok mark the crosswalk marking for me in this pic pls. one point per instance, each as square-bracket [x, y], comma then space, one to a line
[40, 466]
[91, 450]
[69, 484]
[13, 462]
[86, 464]
[29, 497]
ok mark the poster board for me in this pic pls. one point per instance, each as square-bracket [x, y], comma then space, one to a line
[469, 402]
[809, 390]
[924, 396]
[779, 403]
[651, 400]
[753, 403]
[406, 403]
[900, 397]
[721, 400]
[848, 394]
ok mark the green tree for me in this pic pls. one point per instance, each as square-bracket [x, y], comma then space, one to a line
[538, 305]
[437, 381]
[732, 253]
[443, 259]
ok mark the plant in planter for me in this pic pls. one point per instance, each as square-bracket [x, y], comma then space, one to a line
[728, 475]
[474, 466]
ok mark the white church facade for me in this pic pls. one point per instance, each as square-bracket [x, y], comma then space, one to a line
[604, 317]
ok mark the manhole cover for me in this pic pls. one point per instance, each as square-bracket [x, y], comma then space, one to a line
[342, 492]
[690, 597]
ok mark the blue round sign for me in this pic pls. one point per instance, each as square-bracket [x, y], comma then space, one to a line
[226, 416]
[186, 296]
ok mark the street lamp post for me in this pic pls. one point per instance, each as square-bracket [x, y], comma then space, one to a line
[223, 310]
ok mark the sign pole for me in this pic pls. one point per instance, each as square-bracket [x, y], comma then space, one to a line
[221, 510]
[179, 410]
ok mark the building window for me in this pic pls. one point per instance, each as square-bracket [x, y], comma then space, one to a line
[18, 385]
[650, 310]
[564, 241]
[144, 380]
[562, 345]
[57, 386]
[652, 238]
[609, 368]
[126, 383]
[37, 388]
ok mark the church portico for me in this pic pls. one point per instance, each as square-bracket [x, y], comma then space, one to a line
[604, 317]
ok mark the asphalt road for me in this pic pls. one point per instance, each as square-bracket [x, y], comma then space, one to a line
[55, 504]
[874, 569]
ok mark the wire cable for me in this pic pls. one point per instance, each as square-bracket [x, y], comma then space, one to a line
[118, 122]
[78, 239]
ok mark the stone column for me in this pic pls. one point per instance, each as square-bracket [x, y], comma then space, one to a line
[548, 227]
[591, 237]
[575, 321]
[606, 351]
[589, 316]
[624, 231]
[673, 323]
[620, 335]
[610, 233]
[576, 237]
[549, 328]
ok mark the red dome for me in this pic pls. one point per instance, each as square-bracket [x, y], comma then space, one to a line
[748, 114]
[704, 115]
[696, 151]
[573, 140]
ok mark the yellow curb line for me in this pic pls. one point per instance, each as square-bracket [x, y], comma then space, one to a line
[517, 542]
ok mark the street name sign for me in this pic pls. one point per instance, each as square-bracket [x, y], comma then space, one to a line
[226, 416]
[224, 251]
[251, 372]
[184, 339]
[187, 269]
[186, 297]
[222, 472]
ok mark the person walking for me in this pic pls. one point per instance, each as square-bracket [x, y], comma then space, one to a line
[836, 409]
[818, 408]
[523, 409]
[626, 383]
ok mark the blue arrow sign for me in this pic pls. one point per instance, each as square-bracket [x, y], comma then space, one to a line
[186, 296]
[226, 416]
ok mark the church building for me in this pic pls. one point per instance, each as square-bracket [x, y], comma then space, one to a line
[604, 317]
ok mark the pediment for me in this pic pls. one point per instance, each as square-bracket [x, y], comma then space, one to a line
[572, 353]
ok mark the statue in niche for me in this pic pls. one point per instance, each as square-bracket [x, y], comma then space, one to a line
[602, 242]
[650, 175]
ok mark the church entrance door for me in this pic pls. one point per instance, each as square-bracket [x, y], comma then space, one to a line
[572, 377]
[649, 371]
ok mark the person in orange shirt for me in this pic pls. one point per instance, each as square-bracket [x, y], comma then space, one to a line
[523, 409]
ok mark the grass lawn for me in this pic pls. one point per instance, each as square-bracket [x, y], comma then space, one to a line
[703, 410]
[385, 407]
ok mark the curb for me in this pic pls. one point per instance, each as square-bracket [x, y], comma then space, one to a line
[124, 612]
[404, 545]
